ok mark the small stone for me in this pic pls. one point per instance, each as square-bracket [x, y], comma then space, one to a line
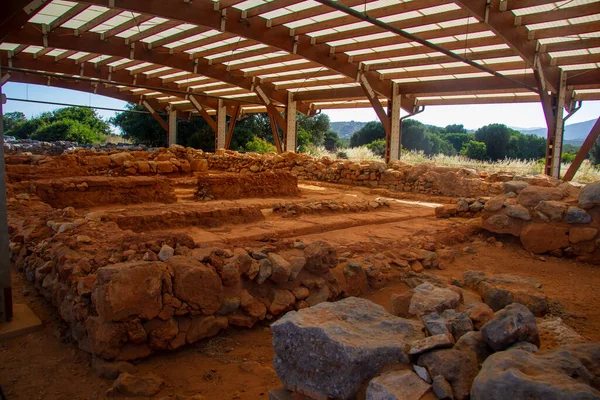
[442, 389]
[111, 370]
[320, 257]
[576, 215]
[469, 250]
[457, 368]
[430, 343]
[435, 324]
[298, 264]
[518, 211]
[300, 292]
[83, 239]
[510, 325]
[265, 270]
[299, 245]
[281, 268]
[396, 385]
[165, 253]
[578, 235]
[136, 385]
[422, 373]
[480, 314]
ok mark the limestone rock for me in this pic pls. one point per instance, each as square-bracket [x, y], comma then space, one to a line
[442, 389]
[457, 368]
[459, 323]
[541, 238]
[525, 346]
[502, 224]
[283, 300]
[397, 385]
[518, 211]
[203, 327]
[356, 279]
[136, 385]
[430, 343]
[197, 284]
[514, 323]
[298, 264]
[428, 298]
[532, 195]
[569, 372]
[552, 210]
[589, 196]
[128, 289]
[351, 332]
[472, 345]
[265, 270]
[320, 257]
[435, 324]
[281, 268]
[576, 215]
[554, 332]
[165, 253]
[578, 235]
[498, 291]
[480, 314]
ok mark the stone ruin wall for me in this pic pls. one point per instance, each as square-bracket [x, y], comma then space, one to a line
[178, 161]
[547, 215]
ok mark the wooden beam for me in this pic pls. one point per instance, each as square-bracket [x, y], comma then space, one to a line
[583, 151]
[15, 13]
[156, 116]
[63, 39]
[232, 122]
[503, 25]
[72, 12]
[274, 131]
[380, 111]
[100, 19]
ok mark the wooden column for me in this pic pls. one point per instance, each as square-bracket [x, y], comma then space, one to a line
[380, 111]
[395, 124]
[291, 134]
[583, 151]
[220, 136]
[6, 308]
[559, 126]
[172, 126]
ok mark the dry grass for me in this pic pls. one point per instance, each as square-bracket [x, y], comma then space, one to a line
[587, 172]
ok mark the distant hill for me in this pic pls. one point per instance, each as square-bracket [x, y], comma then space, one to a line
[574, 133]
[345, 129]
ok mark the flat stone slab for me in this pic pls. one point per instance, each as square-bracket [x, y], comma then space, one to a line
[24, 322]
[331, 349]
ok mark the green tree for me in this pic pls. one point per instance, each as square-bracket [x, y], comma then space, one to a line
[332, 141]
[525, 147]
[495, 137]
[415, 136]
[84, 115]
[67, 129]
[458, 140]
[475, 150]
[377, 147]
[371, 131]
[11, 120]
[25, 129]
[455, 128]
[316, 126]
[141, 128]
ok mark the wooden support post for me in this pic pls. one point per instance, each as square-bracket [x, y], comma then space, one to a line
[559, 125]
[275, 133]
[380, 111]
[221, 125]
[172, 126]
[6, 307]
[395, 124]
[232, 121]
[548, 102]
[209, 120]
[291, 134]
[155, 115]
[583, 151]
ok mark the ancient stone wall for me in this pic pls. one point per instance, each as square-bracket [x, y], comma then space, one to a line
[239, 186]
[557, 218]
[177, 160]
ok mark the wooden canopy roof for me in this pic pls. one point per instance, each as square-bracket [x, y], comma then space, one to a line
[188, 53]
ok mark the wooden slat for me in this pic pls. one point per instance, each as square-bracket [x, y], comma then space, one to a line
[74, 11]
[100, 19]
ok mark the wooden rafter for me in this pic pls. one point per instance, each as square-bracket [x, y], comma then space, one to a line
[584, 150]
[232, 122]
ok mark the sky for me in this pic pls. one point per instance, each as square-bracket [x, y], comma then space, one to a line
[524, 115]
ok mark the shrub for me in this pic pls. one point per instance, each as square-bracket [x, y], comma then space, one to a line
[69, 130]
[377, 147]
[258, 145]
[474, 150]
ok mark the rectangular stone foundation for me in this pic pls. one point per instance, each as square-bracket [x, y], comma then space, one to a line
[238, 186]
[92, 191]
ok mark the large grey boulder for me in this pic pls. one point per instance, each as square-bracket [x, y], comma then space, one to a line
[331, 349]
[570, 372]
[397, 385]
[513, 324]
[498, 291]
[589, 196]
